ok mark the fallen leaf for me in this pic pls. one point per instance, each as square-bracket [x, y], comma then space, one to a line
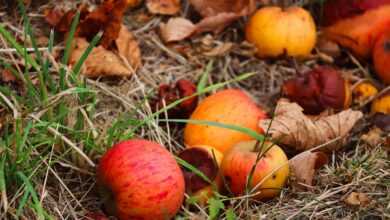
[360, 33]
[53, 16]
[374, 137]
[300, 132]
[357, 199]
[176, 29]
[7, 76]
[208, 8]
[217, 15]
[165, 7]
[216, 23]
[103, 62]
[304, 166]
[167, 94]
[219, 50]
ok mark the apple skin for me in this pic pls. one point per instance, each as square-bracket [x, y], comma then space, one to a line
[239, 160]
[140, 180]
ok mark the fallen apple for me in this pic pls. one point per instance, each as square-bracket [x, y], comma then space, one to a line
[276, 32]
[140, 179]
[319, 89]
[381, 56]
[381, 104]
[270, 173]
[207, 160]
[229, 106]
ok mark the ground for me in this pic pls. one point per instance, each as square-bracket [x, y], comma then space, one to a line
[42, 176]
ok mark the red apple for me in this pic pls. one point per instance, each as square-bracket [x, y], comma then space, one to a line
[140, 179]
[270, 174]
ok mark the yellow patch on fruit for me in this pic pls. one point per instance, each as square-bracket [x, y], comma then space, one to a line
[276, 32]
[364, 91]
[382, 104]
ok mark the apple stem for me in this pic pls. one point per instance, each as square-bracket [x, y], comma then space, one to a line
[282, 3]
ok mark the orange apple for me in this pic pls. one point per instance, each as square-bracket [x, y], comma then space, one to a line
[231, 106]
[269, 176]
[276, 32]
[140, 179]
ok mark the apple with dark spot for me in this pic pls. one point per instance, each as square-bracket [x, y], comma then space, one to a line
[140, 179]
[269, 175]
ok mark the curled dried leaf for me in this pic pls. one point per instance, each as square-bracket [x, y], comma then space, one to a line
[363, 92]
[357, 199]
[165, 7]
[300, 132]
[177, 29]
[103, 62]
[167, 94]
[381, 104]
[304, 166]
[211, 8]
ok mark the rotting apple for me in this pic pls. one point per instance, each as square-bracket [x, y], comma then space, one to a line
[276, 32]
[229, 106]
[319, 89]
[207, 160]
[381, 57]
[140, 179]
[269, 175]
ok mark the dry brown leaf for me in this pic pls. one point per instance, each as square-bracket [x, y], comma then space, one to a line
[304, 165]
[374, 137]
[217, 15]
[7, 76]
[165, 7]
[102, 62]
[208, 8]
[176, 29]
[219, 50]
[216, 23]
[357, 199]
[296, 130]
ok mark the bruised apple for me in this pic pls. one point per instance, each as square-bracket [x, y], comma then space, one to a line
[207, 160]
[229, 106]
[381, 56]
[276, 32]
[140, 179]
[319, 89]
[271, 171]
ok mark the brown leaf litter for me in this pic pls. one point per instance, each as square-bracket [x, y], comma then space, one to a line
[296, 130]
[104, 62]
[216, 15]
[304, 166]
[117, 54]
[165, 7]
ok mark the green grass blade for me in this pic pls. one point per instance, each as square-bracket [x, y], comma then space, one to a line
[193, 169]
[203, 79]
[34, 196]
[244, 130]
[80, 62]
[19, 48]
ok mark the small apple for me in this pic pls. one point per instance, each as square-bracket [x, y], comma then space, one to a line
[207, 160]
[140, 179]
[271, 171]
